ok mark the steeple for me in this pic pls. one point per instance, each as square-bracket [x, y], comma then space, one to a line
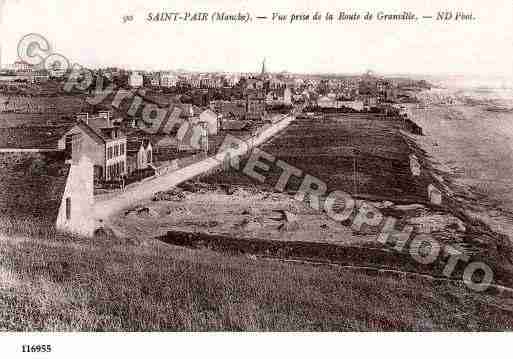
[263, 68]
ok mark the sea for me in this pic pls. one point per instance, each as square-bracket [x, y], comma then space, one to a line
[468, 132]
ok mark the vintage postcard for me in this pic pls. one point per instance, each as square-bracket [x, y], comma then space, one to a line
[248, 166]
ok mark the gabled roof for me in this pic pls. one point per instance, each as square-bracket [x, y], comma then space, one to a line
[136, 137]
[233, 108]
[172, 122]
[99, 135]
[166, 125]
[92, 133]
[208, 112]
[134, 145]
[234, 125]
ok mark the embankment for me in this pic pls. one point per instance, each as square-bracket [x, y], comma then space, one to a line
[370, 159]
[360, 154]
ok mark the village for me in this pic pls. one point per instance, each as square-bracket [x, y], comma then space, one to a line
[253, 167]
[109, 147]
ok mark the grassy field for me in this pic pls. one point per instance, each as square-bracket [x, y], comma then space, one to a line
[61, 283]
[70, 284]
[333, 149]
[53, 109]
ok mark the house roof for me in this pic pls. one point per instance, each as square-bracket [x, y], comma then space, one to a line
[133, 145]
[189, 109]
[134, 139]
[32, 185]
[209, 114]
[234, 125]
[40, 73]
[233, 108]
[172, 122]
[100, 135]
[32, 137]
[166, 125]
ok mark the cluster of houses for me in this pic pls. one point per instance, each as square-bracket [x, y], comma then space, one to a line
[20, 71]
[363, 94]
[167, 79]
[48, 174]
[112, 154]
[118, 152]
[62, 165]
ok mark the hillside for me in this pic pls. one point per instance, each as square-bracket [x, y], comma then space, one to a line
[68, 284]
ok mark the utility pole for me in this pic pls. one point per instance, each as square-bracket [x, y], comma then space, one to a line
[355, 172]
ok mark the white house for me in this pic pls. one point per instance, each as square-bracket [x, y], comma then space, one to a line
[287, 96]
[100, 141]
[355, 105]
[140, 155]
[324, 101]
[135, 80]
[192, 136]
[168, 79]
[212, 121]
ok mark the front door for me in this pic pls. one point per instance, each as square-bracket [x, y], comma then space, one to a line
[98, 173]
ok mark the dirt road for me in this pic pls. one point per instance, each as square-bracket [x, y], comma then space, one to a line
[103, 208]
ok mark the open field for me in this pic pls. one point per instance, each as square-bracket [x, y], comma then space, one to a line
[72, 284]
[335, 148]
[243, 271]
[42, 109]
[230, 218]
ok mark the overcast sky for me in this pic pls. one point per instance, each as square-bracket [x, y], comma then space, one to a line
[91, 32]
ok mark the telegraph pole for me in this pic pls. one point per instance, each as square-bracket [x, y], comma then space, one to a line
[355, 172]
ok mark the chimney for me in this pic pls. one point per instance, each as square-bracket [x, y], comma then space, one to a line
[107, 116]
[84, 117]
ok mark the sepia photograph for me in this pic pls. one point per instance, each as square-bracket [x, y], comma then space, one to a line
[253, 166]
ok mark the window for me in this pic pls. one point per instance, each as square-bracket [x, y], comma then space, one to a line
[68, 208]
[77, 142]
[122, 149]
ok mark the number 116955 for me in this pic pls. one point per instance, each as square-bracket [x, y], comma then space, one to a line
[27, 348]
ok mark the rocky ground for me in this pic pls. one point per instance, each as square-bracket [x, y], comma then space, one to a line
[245, 213]
[248, 212]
